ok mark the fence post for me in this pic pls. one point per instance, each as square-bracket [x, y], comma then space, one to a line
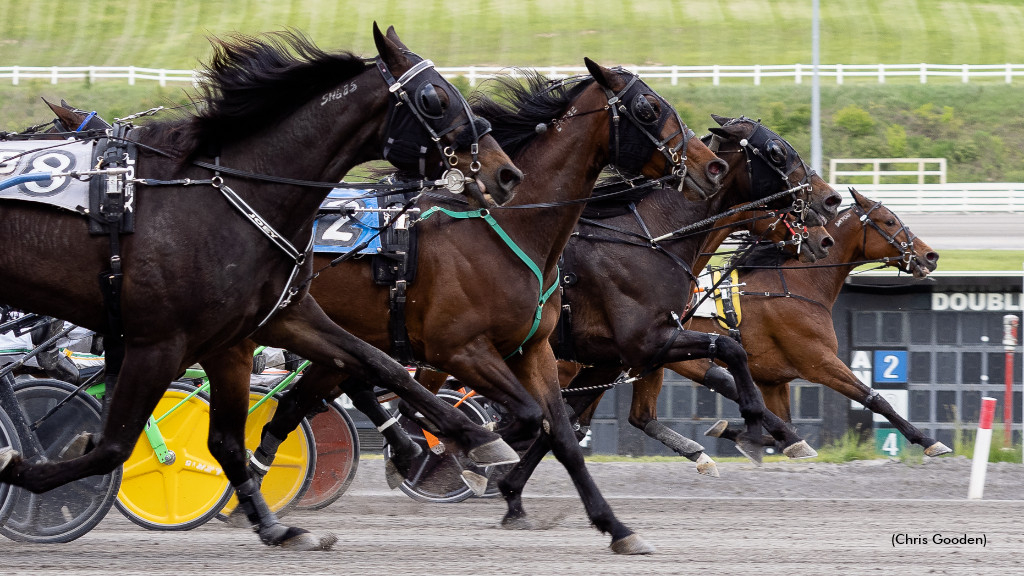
[92, 74]
[163, 77]
[757, 74]
[53, 75]
[14, 75]
[881, 73]
[964, 74]
[675, 75]
[924, 73]
[131, 75]
[1009, 73]
[982, 444]
[839, 73]
[798, 73]
[715, 75]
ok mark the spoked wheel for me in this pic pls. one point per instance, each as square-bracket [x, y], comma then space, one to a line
[337, 457]
[189, 489]
[67, 512]
[8, 439]
[292, 471]
[437, 474]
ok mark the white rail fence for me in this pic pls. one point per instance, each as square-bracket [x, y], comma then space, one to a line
[946, 198]
[797, 73]
[925, 170]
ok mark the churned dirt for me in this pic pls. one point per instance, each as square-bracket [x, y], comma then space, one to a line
[787, 518]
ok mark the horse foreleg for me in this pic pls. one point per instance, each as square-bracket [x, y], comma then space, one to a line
[643, 414]
[404, 452]
[837, 376]
[304, 329]
[229, 402]
[537, 370]
[144, 377]
[780, 433]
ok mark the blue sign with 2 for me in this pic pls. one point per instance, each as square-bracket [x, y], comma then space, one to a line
[890, 367]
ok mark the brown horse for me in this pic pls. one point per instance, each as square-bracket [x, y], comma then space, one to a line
[476, 308]
[619, 323]
[199, 276]
[805, 345]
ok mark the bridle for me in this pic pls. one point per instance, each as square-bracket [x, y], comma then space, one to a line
[644, 122]
[906, 249]
[778, 160]
[418, 114]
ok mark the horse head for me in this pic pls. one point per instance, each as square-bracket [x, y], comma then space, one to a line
[429, 108]
[653, 140]
[773, 166]
[892, 241]
[72, 119]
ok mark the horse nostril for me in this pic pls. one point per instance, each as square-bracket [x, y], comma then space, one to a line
[827, 242]
[833, 200]
[716, 168]
[509, 177]
[932, 256]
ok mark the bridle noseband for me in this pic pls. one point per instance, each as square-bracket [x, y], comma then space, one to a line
[417, 108]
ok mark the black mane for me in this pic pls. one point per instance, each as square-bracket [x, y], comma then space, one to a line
[252, 82]
[765, 255]
[519, 107]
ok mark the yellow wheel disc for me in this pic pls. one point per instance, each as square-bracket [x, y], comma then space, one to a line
[291, 472]
[186, 492]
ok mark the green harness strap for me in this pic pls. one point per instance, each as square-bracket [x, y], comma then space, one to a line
[544, 294]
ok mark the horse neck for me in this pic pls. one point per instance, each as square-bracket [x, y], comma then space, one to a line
[823, 279]
[559, 166]
[316, 142]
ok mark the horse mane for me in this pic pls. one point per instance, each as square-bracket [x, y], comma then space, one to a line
[762, 256]
[518, 107]
[250, 83]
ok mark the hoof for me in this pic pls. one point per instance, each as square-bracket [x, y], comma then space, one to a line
[752, 450]
[309, 542]
[707, 466]
[493, 453]
[717, 429]
[476, 482]
[517, 523]
[937, 449]
[392, 475]
[75, 448]
[6, 455]
[800, 449]
[632, 544]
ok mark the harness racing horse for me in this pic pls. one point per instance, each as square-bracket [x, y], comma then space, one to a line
[623, 295]
[476, 309]
[208, 266]
[805, 345]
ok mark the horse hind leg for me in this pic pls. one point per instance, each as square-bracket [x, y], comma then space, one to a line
[682, 446]
[932, 447]
[404, 452]
[229, 400]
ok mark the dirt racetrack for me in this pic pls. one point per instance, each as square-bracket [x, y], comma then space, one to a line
[788, 518]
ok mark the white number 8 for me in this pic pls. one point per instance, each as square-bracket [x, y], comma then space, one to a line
[50, 162]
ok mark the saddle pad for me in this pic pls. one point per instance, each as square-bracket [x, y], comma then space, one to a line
[19, 157]
[707, 307]
[713, 307]
[338, 233]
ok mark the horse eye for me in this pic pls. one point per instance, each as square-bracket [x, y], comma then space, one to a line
[890, 222]
[644, 111]
[775, 153]
[429, 102]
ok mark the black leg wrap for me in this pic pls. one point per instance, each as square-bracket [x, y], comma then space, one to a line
[719, 380]
[264, 456]
[264, 522]
[674, 440]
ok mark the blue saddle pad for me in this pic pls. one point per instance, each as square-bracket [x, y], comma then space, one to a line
[339, 233]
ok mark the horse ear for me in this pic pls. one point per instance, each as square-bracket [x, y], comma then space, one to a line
[734, 131]
[393, 36]
[390, 52]
[66, 116]
[859, 198]
[722, 120]
[600, 73]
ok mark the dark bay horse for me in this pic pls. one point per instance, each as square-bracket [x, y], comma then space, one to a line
[805, 345]
[476, 309]
[625, 291]
[200, 275]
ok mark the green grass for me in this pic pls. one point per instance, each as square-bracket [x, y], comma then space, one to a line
[170, 33]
